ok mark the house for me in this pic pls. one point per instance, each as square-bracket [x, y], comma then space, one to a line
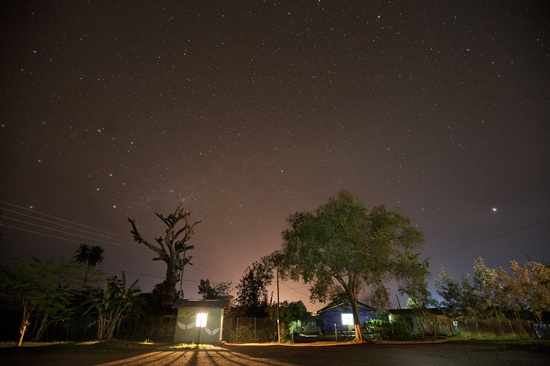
[199, 321]
[340, 315]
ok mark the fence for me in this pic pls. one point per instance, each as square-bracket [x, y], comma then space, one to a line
[428, 327]
[541, 331]
[243, 329]
[492, 328]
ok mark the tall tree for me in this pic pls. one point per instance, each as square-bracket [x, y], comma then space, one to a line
[341, 247]
[172, 249]
[90, 256]
[252, 289]
[33, 289]
[450, 291]
[488, 288]
[218, 290]
[531, 284]
[61, 308]
[473, 298]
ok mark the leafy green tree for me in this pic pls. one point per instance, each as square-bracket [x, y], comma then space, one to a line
[67, 274]
[294, 315]
[341, 247]
[472, 302]
[294, 311]
[450, 291]
[531, 287]
[488, 288]
[173, 248]
[112, 303]
[252, 289]
[32, 288]
[513, 295]
[218, 290]
[461, 300]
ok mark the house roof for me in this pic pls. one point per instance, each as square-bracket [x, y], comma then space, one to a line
[338, 304]
[187, 303]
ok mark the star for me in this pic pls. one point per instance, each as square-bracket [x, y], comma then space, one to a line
[252, 129]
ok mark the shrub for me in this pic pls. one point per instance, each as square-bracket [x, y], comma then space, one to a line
[245, 334]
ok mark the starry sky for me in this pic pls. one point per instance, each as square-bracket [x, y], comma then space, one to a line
[248, 111]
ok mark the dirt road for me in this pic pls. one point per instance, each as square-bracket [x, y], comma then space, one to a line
[440, 354]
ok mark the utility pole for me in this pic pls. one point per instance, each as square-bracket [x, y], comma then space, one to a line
[278, 321]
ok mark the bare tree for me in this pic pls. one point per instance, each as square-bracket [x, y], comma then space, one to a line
[172, 248]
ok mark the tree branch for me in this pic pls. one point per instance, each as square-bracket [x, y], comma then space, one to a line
[139, 239]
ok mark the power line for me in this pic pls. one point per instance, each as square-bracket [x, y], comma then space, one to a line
[141, 274]
[213, 270]
[51, 229]
[292, 288]
[51, 222]
[57, 218]
[104, 235]
[69, 236]
[491, 238]
[71, 233]
[48, 235]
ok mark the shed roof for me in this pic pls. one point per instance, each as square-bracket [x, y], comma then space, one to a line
[187, 303]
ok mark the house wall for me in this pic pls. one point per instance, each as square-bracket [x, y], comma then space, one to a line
[187, 332]
[334, 316]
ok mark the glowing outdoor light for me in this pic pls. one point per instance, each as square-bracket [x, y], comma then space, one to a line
[201, 320]
[347, 319]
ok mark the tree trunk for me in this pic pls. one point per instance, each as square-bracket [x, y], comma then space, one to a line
[359, 338]
[40, 332]
[115, 318]
[24, 322]
[86, 270]
[110, 332]
[100, 327]
[169, 295]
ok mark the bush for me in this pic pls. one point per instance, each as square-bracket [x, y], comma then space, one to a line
[384, 329]
[245, 334]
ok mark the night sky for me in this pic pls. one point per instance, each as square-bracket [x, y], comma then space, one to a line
[248, 111]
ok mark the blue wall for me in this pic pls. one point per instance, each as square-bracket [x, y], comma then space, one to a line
[334, 316]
